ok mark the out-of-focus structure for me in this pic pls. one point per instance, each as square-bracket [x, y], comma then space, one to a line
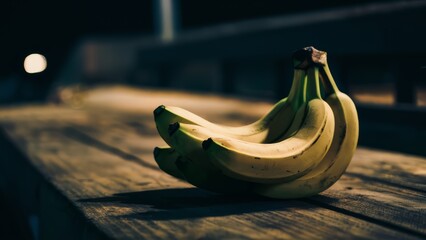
[79, 81]
[243, 48]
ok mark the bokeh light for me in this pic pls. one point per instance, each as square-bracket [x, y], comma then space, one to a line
[35, 63]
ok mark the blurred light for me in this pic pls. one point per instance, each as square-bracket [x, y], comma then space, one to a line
[167, 30]
[35, 63]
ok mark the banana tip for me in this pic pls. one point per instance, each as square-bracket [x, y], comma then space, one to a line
[206, 144]
[173, 128]
[156, 151]
[159, 110]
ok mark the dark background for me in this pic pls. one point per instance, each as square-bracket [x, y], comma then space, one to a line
[55, 28]
[378, 58]
[52, 28]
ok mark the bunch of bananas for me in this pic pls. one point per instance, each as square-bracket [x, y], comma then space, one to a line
[298, 149]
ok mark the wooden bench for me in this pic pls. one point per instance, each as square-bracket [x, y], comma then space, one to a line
[89, 173]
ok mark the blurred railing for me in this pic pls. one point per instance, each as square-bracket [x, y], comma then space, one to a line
[376, 53]
[370, 45]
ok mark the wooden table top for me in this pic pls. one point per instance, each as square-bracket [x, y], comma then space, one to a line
[87, 172]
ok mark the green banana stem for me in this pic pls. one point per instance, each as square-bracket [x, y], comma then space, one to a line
[297, 90]
[313, 88]
[309, 57]
[330, 86]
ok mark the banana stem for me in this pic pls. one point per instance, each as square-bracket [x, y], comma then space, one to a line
[297, 92]
[313, 87]
[314, 61]
[327, 80]
[298, 74]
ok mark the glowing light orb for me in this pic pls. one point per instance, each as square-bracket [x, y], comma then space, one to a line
[35, 63]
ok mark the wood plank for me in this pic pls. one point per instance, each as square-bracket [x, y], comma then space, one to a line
[380, 197]
[378, 178]
[392, 165]
[126, 200]
[391, 206]
[400, 169]
[389, 173]
[135, 106]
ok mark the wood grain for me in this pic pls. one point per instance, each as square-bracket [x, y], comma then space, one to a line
[126, 200]
[92, 176]
[374, 197]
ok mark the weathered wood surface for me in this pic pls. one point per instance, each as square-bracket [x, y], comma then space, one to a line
[91, 174]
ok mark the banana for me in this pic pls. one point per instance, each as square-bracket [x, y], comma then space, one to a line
[210, 179]
[279, 117]
[340, 153]
[192, 130]
[299, 149]
[166, 158]
[188, 140]
[195, 166]
[287, 159]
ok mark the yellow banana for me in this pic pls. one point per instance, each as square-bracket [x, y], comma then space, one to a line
[285, 160]
[278, 118]
[340, 153]
[281, 161]
[260, 162]
[166, 158]
[210, 179]
[196, 168]
[300, 148]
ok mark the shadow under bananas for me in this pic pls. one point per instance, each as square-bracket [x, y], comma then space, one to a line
[189, 203]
